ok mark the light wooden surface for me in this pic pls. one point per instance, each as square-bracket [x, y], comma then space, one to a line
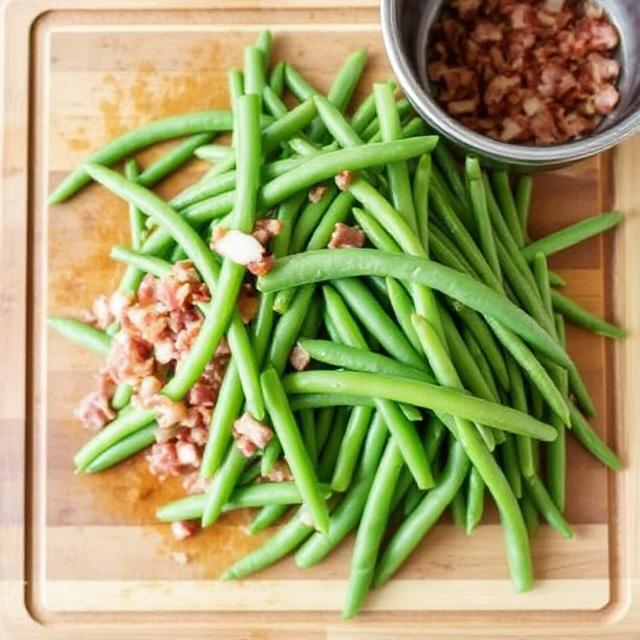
[82, 556]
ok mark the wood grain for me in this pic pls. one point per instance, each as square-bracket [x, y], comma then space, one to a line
[88, 549]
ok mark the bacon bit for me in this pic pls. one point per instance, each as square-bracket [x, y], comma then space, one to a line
[202, 394]
[299, 358]
[130, 359]
[262, 266]
[94, 411]
[486, 31]
[247, 303]
[163, 460]
[606, 99]
[344, 179]
[498, 88]
[194, 483]
[250, 435]
[511, 130]
[553, 6]
[345, 236]
[265, 229]
[317, 193]
[147, 290]
[168, 412]
[180, 557]
[187, 454]
[465, 8]
[460, 107]
[280, 472]
[184, 272]
[200, 435]
[100, 315]
[106, 384]
[183, 529]
[149, 321]
[165, 434]
[241, 248]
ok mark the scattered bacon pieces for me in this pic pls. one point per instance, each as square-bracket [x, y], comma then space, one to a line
[183, 529]
[280, 472]
[344, 179]
[345, 236]
[250, 435]
[299, 358]
[241, 248]
[538, 72]
[94, 411]
[317, 193]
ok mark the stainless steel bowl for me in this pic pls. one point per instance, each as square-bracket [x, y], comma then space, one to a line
[406, 25]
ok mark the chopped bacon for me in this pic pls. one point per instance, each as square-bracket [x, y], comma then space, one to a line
[553, 6]
[247, 303]
[147, 290]
[250, 435]
[202, 394]
[345, 236]
[183, 529]
[100, 314]
[606, 99]
[317, 193]
[168, 412]
[486, 31]
[184, 272]
[150, 321]
[199, 435]
[265, 229]
[241, 248]
[163, 460]
[194, 483]
[130, 359]
[344, 179]
[262, 266]
[280, 472]
[187, 454]
[94, 411]
[299, 358]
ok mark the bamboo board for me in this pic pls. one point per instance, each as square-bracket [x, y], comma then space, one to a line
[83, 556]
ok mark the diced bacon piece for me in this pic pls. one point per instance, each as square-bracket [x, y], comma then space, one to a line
[498, 88]
[317, 193]
[241, 248]
[486, 31]
[165, 434]
[460, 107]
[600, 69]
[163, 460]
[194, 483]
[106, 384]
[602, 35]
[606, 99]
[262, 266]
[453, 31]
[150, 321]
[556, 81]
[299, 358]
[186, 338]
[183, 529]
[250, 435]
[100, 314]
[345, 236]
[202, 394]
[188, 317]
[265, 229]
[94, 411]
[553, 6]
[592, 10]
[223, 348]
[147, 290]
[149, 387]
[130, 359]
[543, 126]
[247, 303]
[187, 454]
[183, 272]
[172, 294]
[119, 302]
[200, 435]
[575, 125]
[466, 8]
[168, 412]
[344, 179]
[437, 70]
[280, 472]
[532, 105]
[522, 16]
[165, 351]
[511, 130]
[459, 83]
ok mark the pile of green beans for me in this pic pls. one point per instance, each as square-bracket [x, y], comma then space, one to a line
[437, 371]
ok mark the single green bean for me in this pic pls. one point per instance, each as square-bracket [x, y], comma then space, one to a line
[123, 449]
[421, 181]
[530, 514]
[475, 501]
[476, 352]
[147, 264]
[524, 189]
[267, 516]
[308, 432]
[338, 211]
[366, 111]
[500, 180]
[591, 441]
[212, 152]
[331, 449]
[350, 447]
[273, 103]
[545, 505]
[309, 219]
[524, 445]
[263, 42]
[458, 508]
[276, 80]
[403, 308]
[82, 334]
[510, 465]
[254, 64]
[136, 217]
[324, 419]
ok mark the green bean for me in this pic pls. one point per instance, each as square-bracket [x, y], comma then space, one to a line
[399, 425]
[324, 419]
[136, 217]
[276, 80]
[331, 449]
[530, 514]
[446, 253]
[580, 392]
[212, 152]
[300, 88]
[127, 422]
[272, 102]
[500, 180]
[425, 515]
[338, 211]
[374, 318]
[347, 515]
[490, 349]
[173, 160]
[374, 231]
[579, 316]
[295, 452]
[524, 188]
[82, 334]
[145, 136]
[254, 64]
[249, 474]
[263, 42]
[309, 218]
[530, 364]
[591, 441]
[545, 505]
[440, 184]
[288, 126]
[366, 111]
[308, 431]
[121, 397]
[403, 308]
[463, 239]
[337, 124]
[511, 466]
[397, 173]
[458, 510]
[123, 449]
[420, 394]
[372, 527]
[147, 264]
[451, 173]
[315, 266]
[476, 352]
[285, 540]
[266, 517]
[524, 445]
[481, 214]
[573, 234]
[475, 501]
[556, 280]
[328, 401]
[421, 181]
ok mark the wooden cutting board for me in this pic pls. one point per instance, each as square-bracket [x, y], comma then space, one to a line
[82, 556]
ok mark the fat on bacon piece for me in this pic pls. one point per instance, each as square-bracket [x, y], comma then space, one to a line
[250, 435]
[345, 236]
